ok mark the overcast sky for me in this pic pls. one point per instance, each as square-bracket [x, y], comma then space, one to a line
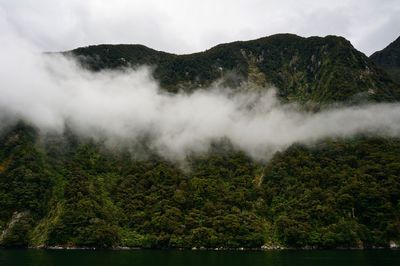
[188, 26]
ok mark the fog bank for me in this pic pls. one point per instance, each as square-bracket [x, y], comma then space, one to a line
[51, 91]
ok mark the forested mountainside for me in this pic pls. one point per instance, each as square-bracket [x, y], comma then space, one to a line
[389, 59]
[303, 69]
[61, 190]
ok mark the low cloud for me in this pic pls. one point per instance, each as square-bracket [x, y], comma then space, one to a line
[52, 91]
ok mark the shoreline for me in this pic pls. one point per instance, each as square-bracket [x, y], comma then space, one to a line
[261, 249]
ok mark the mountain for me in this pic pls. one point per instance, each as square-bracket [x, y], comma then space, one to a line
[315, 69]
[62, 190]
[389, 59]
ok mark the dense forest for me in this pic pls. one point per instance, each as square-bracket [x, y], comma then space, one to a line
[62, 190]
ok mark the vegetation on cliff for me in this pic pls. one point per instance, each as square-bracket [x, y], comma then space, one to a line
[64, 190]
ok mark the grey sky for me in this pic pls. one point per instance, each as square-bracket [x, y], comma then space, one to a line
[190, 26]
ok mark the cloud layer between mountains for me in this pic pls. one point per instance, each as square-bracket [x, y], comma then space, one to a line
[120, 107]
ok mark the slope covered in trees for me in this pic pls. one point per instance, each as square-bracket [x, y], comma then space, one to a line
[340, 193]
[311, 69]
[389, 59]
[69, 191]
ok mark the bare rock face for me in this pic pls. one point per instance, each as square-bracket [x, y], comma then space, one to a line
[394, 245]
[15, 219]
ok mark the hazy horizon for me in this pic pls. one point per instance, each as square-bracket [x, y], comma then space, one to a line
[193, 26]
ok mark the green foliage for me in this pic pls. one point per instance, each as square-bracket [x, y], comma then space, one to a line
[308, 70]
[25, 183]
[339, 193]
[18, 234]
[389, 59]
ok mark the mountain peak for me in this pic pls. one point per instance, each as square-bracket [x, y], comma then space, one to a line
[315, 69]
[389, 59]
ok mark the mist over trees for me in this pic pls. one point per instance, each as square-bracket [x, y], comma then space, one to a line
[327, 175]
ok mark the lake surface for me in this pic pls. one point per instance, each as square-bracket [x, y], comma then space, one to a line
[197, 258]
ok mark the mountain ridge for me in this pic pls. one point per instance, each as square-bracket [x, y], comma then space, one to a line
[62, 190]
[313, 69]
[389, 59]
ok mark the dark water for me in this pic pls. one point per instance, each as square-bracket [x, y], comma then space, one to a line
[207, 258]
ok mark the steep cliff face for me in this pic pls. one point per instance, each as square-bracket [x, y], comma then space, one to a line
[315, 69]
[389, 59]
